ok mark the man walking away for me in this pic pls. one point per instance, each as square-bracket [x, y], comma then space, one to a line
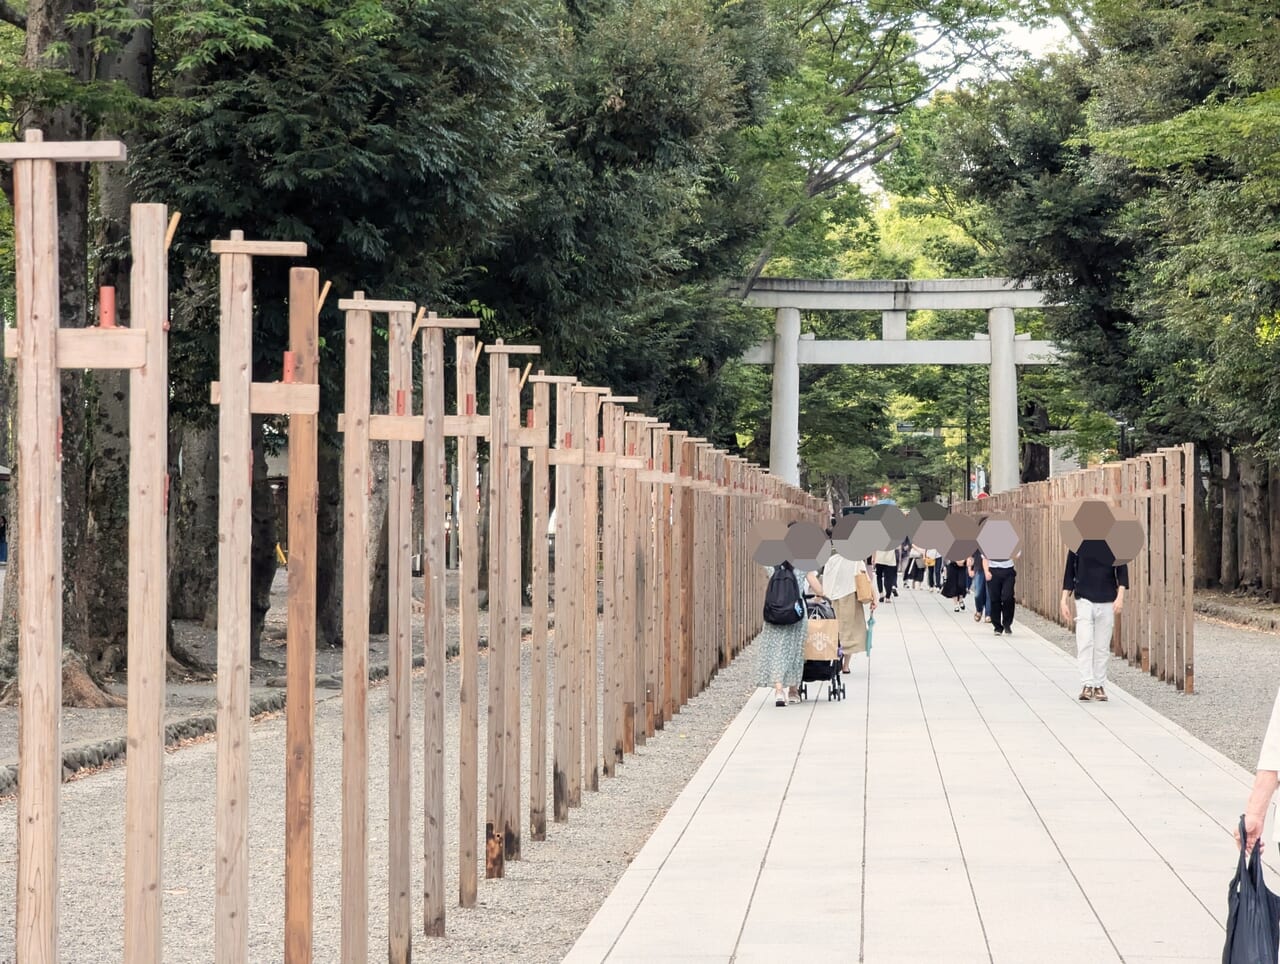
[1098, 586]
[1001, 576]
[887, 574]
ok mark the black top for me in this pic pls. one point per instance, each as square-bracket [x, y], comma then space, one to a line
[1092, 573]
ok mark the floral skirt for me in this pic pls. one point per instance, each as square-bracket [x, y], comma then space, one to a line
[781, 653]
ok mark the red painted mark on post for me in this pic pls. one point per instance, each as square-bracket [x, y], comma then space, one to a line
[530, 420]
[290, 367]
[471, 405]
[106, 307]
[399, 401]
[600, 445]
[568, 440]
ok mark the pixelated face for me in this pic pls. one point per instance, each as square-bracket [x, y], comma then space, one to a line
[998, 538]
[769, 541]
[807, 546]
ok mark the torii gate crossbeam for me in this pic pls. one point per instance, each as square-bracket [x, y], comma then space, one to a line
[999, 348]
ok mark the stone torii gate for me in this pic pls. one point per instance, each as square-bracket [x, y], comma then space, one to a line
[999, 348]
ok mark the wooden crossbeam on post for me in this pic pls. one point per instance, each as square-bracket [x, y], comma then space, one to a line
[304, 344]
[37, 341]
[235, 499]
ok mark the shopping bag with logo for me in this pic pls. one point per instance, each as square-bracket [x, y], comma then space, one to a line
[822, 640]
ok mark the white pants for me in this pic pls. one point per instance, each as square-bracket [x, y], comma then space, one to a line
[1094, 622]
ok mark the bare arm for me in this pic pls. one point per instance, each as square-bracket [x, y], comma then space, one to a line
[815, 586]
[1255, 810]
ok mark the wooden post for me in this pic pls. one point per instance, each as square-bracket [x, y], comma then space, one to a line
[434, 565]
[304, 342]
[513, 571]
[39, 338]
[611, 448]
[590, 585]
[356, 484]
[235, 496]
[562, 458]
[502, 824]
[400, 639]
[633, 731]
[539, 424]
[148, 585]
[469, 635]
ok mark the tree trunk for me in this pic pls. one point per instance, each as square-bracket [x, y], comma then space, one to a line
[329, 547]
[1255, 551]
[1208, 518]
[50, 43]
[193, 523]
[378, 548]
[1231, 524]
[128, 62]
[1035, 455]
[482, 562]
[262, 557]
[1271, 536]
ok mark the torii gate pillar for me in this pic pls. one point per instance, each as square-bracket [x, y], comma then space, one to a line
[1004, 401]
[784, 434]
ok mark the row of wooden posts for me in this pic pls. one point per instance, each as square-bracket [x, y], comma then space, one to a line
[1156, 629]
[652, 520]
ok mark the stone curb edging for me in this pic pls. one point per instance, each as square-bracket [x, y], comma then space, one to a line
[87, 755]
[1237, 615]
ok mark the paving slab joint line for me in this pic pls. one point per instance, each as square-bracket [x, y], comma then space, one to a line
[84, 756]
[743, 722]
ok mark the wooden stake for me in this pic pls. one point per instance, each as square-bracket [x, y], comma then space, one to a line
[564, 562]
[469, 638]
[355, 634]
[513, 799]
[304, 344]
[399, 642]
[496, 770]
[234, 528]
[539, 421]
[433, 630]
[148, 587]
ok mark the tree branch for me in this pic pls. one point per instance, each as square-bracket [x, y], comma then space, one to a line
[10, 14]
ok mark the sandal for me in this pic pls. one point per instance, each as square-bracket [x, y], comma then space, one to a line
[1086, 694]
[1099, 694]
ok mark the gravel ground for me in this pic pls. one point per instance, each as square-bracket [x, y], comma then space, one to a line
[534, 914]
[1237, 674]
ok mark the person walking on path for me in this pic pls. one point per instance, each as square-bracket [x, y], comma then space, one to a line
[782, 646]
[933, 566]
[1098, 585]
[954, 586]
[1265, 781]
[887, 573]
[977, 576]
[840, 580]
[1001, 577]
[4, 540]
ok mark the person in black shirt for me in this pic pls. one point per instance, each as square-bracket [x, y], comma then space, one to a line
[1098, 586]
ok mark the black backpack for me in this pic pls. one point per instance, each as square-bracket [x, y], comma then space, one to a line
[782, 604]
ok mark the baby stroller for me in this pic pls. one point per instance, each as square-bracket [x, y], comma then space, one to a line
[822, 653]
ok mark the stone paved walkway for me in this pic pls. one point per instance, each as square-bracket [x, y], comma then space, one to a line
[960, 806]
